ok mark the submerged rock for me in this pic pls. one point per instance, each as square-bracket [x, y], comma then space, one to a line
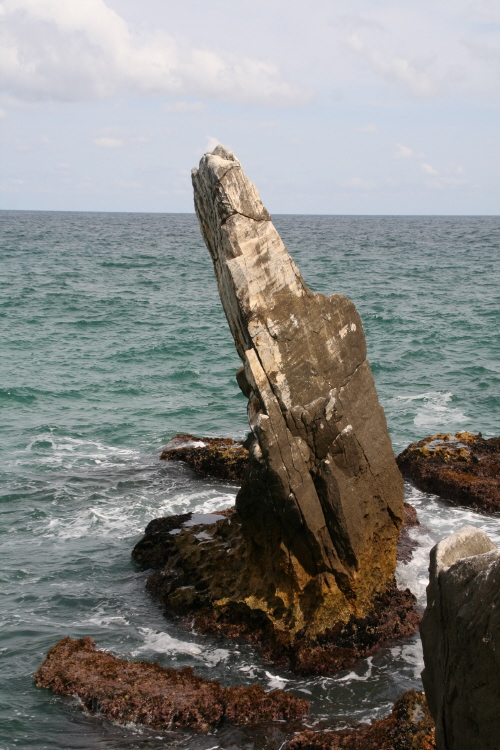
[461, 641]
[409, 727]
[463, 468]
[147, 693]
[219, 457]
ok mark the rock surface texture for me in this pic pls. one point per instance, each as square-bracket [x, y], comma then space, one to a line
[460, 633]
[464, 468]
[409, 727]
[146, 693]
[304, 568]
[321, 504]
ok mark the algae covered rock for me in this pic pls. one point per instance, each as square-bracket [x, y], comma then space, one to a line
[409, 727]
[147, 693]
[463, 468]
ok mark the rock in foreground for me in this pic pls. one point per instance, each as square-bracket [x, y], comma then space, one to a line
[409, 727]
[321, 503]
[463, 468]
[146, 693]
[461, 641]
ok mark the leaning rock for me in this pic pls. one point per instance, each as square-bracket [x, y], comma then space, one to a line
[146, 693]
[409, 727]
[321, 504]
[463, 468]
[460, 633]
[219, 457]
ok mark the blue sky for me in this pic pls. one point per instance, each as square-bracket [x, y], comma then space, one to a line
[333, 107]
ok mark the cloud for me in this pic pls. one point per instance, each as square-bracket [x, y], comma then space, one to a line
[183, 108]
[358, 184]
[403, 152]
[366, 128]
[108, 142]
[3, 114]
[83, 50]
[211, 143]
[428, 169]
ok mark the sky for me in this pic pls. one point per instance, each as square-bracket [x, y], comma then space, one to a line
[332, 106]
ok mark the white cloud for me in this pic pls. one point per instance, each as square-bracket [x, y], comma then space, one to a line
[403, 152]
[358, 184]
[211, 143]
[108, 142]
[370, 128]
[83, 50]
[3, 114]
[183, 108]
[428, 169]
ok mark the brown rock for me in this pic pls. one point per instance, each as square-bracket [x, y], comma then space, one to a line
[202, 550]
[463, 468]
[146, 693]
[321, 504]
[409, 727]
[220, 457]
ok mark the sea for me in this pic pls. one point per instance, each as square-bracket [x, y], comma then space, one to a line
[113, 339]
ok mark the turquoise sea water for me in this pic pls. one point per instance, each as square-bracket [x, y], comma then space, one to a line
[112, 340]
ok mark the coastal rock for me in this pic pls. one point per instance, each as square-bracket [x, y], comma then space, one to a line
[409, 727]
[219, 457]
[463, 468]
[407, 545]
[460, 633]
[321, 503]
[147, 693]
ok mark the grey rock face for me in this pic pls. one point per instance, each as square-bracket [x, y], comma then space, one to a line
[460, 634]
[322, 501]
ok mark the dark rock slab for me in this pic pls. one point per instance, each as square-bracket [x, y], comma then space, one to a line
[409, 727]
[463, 468]
[147, 693]
[219, 457]
[461, 641]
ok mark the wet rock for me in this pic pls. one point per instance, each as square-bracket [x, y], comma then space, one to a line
[407, 545]
[203, 548]
[219, 457]
[146, 693]
[463, 468]
[409, 727]
[461, 641]
[321, 503]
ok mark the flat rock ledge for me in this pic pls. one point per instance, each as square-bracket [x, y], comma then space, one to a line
[409, 727]
[463, 468]
[147, 693]
[218, 457]
[186, 549]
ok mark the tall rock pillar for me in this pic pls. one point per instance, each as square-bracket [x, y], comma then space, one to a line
[321, 505]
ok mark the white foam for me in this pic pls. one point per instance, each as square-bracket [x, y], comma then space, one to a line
[163, 643]
[434, 410]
